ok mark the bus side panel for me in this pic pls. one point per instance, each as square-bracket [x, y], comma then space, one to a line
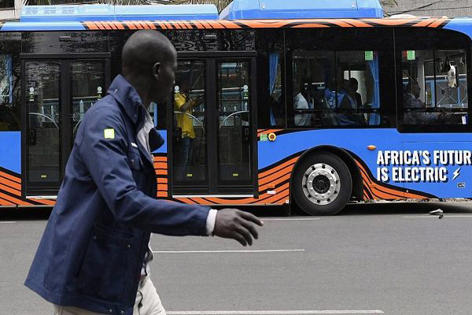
[10, 147]
[10, 168]
[273, 183]
[10, 171]
[391, 171]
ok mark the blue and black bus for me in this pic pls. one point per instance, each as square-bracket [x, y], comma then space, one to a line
[314, 103]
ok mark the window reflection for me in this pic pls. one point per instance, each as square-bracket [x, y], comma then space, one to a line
[189, 116]
[64, 42]
[434, 87]
[234, 132]
[88, 83]
[42, 100]
[10, 81]
[335, 89]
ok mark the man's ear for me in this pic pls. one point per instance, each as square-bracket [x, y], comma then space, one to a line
[156, 70]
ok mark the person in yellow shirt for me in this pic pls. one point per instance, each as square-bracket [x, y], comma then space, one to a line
[184, 105]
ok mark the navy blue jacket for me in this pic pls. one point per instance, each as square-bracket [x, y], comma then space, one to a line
[92, 251]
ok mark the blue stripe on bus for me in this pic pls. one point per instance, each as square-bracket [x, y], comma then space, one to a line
[105, 12]
[301, 9]
[42, 26]
[463, 25]
[10, 148]
[162, 149]
[357, 140]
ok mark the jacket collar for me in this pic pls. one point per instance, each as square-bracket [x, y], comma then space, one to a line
[127, 96]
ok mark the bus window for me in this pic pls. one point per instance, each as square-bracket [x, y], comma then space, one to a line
[358, 88]
[314, 87]
[88, 86]
[434, 87]
[270, 75]
[9, 81]
[7, 117]
[276, 103]
[335, 89]
[451, 79]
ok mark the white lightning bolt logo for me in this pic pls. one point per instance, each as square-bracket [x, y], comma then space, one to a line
[456, 173]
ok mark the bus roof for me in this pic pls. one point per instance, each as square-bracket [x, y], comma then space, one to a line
[251, 14]
[301, 9]
[105, 12]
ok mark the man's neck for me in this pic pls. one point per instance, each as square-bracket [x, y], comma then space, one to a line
[141, 87]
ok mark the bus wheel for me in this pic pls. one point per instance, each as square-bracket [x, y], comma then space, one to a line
[322, 184]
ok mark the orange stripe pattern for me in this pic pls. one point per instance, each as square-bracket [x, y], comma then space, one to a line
[274, 188]
[254, 24]
[273, 183]
[161, 169]
[10, 192]
[374, 190]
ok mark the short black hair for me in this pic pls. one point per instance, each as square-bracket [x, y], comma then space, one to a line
[143, 49]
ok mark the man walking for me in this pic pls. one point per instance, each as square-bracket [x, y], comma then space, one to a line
[93, 256]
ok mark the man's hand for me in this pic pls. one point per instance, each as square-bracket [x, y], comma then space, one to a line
[236, 224]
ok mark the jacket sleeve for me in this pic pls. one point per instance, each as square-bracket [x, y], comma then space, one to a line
[104, 153]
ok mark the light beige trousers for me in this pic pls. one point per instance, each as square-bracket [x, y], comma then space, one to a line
[147, 303]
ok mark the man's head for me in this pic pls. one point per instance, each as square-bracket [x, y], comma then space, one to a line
[149, 61]
[354, 84]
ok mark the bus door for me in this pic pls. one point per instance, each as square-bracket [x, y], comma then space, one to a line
[213, 134]
[56, 94]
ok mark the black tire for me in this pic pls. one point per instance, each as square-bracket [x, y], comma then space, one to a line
[322, 184]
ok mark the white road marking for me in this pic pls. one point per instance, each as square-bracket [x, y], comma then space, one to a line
[297, 312]
[290, 219]
[428, 216]
[227, 251]
[7, 222]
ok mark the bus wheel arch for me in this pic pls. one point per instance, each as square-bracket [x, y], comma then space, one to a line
[340, 166]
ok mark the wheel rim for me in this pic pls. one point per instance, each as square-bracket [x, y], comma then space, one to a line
[321, 184]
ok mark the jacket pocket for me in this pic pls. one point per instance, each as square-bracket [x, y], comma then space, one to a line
[104, 268]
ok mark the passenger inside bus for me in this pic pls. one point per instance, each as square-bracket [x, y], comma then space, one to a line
[341, 88]
[354, 86]
[346, 98]
[302, 101]
[415, 108]
[184, 105]
[411, 98]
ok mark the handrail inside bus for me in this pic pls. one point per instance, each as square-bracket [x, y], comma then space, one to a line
[191, 116]
[233, 114]
[45, 116]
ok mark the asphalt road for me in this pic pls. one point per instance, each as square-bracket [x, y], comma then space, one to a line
[391, 259]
